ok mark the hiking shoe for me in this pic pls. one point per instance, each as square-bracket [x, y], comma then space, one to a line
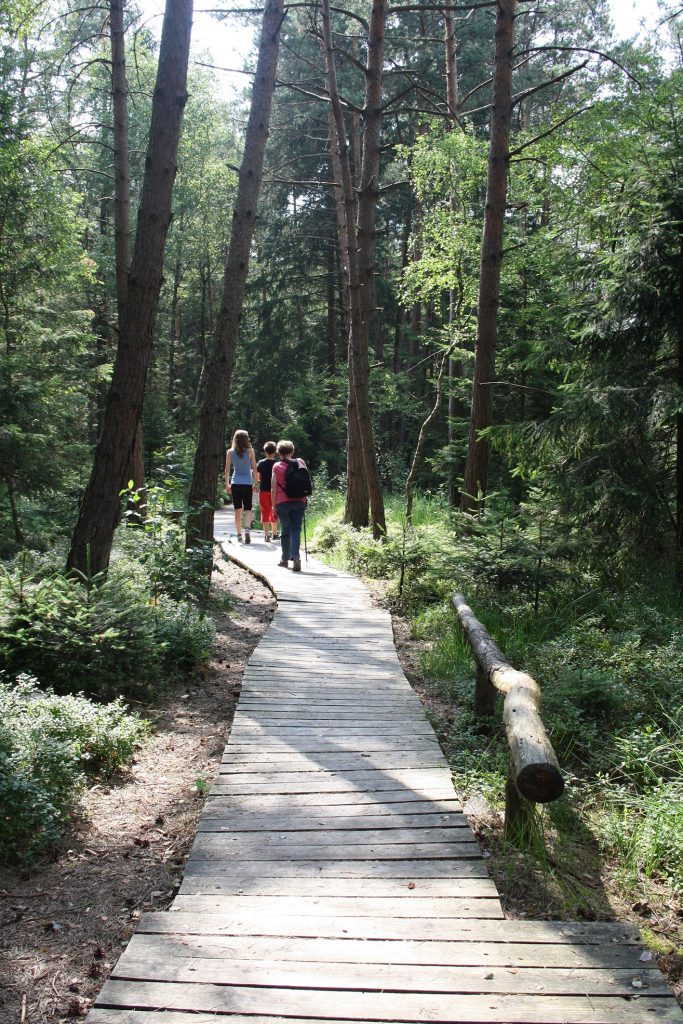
[297, 565]
[284, 563]
[267, 538]
[239, 537]
[247, 537]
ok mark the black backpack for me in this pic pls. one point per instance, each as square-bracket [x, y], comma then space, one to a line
[298, 482]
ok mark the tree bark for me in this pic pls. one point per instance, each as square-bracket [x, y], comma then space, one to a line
[173, 339]
[100, 509]
[361, 238]
[455, 409]
[210, 455]
[16, 522]
[679, 427]
[119, 93]
[331, 309]
[491, 257]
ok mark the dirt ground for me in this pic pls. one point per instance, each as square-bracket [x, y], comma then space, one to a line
[64, 921]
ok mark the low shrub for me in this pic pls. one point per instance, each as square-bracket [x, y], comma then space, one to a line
[101, 637]
[49, 744]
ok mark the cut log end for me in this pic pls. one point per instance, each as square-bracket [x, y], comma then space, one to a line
[541, 783]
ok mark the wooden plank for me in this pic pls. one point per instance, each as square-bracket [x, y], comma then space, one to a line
[339, 837]
[339, 745]
[359, 713]
[396, 888]
[212, 821]
[381, 801]
[381, 977]
[227, 786]
[358, 776]
[206, 848]
[232, 765]
[367, 907]
[615, 1013]
[406, 870]
[330, 730]
[394, 929]
[372, 951]
[385, 1006]
[326, 696]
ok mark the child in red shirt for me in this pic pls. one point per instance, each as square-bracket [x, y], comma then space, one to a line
[264, 475]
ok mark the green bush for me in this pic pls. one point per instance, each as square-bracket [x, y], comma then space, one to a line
[47, 746]
[102, 637]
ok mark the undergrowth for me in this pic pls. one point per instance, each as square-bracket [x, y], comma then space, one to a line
[49, 746]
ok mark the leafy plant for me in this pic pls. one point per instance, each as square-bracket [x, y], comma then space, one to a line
[48, 745]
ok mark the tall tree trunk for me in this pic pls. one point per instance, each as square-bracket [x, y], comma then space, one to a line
[679, 426]
[331, 308]
[361, 236]
[210, 455]
[119, 93]
[100, 509]
[173, 338]
[455, 409]
[491, 258]
[16, 522]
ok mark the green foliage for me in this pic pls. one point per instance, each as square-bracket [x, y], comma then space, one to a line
[47, 746]
[104, 637]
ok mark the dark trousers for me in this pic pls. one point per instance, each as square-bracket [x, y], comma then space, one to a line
[291, 515]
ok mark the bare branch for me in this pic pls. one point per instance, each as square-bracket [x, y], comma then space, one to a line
[585, 49]
[549, 131]
[551, 81]
[322, 95]
[313, 183]
[217, 67]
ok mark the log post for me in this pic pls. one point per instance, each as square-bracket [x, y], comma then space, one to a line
[519, 812]
[536, 772]
[484, 694]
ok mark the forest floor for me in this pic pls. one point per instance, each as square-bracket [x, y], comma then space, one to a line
[64, 920]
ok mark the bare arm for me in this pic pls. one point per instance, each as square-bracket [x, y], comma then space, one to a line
[273, 487]
[228, 463]
[254, 472]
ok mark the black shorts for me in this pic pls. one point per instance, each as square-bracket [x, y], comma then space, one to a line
[242, 496]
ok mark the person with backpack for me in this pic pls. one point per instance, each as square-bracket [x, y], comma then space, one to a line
[290, 490]
[241, 459]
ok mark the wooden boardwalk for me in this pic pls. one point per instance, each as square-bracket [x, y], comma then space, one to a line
[334, 876]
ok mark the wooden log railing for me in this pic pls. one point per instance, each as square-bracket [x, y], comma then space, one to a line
[534, 774]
